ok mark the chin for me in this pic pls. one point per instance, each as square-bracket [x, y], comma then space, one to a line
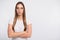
[19, 14]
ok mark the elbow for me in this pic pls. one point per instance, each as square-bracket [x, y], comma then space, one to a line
[10, 35]
[29, 36]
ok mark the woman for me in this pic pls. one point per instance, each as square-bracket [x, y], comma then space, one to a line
[19, 28]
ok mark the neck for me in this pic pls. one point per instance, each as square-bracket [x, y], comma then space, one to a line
[20, 17]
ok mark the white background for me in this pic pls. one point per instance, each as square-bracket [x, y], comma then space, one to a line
[44, 15]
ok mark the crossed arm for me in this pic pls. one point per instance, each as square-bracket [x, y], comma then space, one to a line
[24, 34]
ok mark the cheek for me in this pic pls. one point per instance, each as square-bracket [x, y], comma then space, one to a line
[21, 10]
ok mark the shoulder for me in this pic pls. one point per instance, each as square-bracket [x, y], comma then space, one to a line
[28, 21]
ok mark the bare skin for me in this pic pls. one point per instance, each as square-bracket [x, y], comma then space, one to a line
[24, 34]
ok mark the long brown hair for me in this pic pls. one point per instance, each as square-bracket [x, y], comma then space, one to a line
[16, 14]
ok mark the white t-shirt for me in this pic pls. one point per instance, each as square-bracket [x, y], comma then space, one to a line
[19, 27]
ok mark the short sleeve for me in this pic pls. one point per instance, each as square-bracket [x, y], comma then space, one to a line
[28, 21]
[10, 21]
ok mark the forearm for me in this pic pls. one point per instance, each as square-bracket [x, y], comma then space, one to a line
[15, 34]
[25, 35]
[19, 34]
